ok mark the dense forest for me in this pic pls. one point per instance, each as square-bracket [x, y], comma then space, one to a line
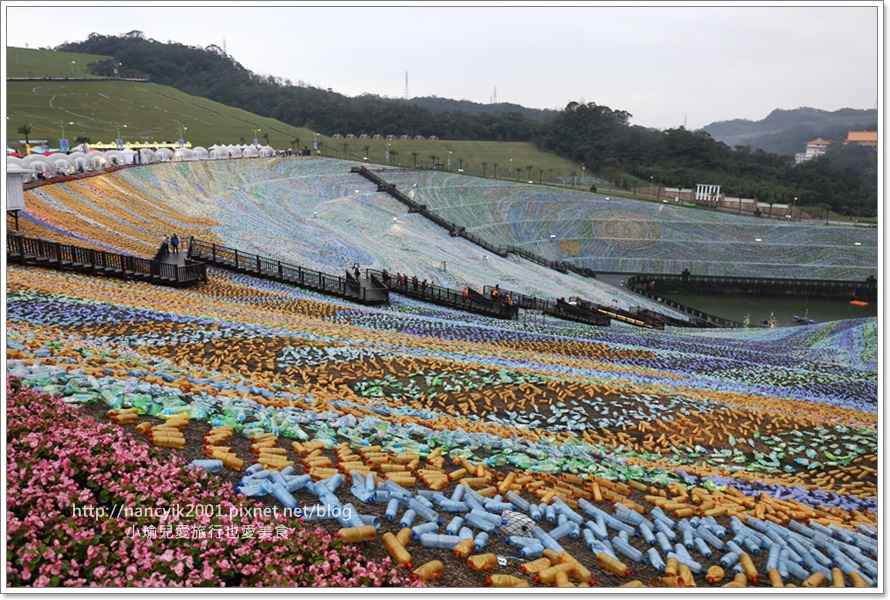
[844, 180]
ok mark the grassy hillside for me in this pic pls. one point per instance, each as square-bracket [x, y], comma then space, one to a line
[148, 112]
[26, 62]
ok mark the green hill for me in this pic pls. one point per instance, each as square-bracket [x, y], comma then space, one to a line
[26, 62]
[148, 112]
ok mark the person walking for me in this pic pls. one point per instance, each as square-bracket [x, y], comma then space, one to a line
[174, 241]
[166, 246]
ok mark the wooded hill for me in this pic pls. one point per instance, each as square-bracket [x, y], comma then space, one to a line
[598, 137]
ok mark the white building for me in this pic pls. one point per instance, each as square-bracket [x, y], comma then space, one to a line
[815, 148]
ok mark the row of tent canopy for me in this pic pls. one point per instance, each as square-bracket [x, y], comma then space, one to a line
[61, 164]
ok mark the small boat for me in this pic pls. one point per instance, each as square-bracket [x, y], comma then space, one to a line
[802, 320]
[858, 302]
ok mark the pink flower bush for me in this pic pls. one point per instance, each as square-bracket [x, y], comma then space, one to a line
[84, 509]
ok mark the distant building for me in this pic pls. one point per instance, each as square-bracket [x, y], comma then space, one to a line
[862, 138]
[815, 148]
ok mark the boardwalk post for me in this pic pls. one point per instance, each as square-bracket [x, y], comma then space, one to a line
[236, 259]
[259, 268]
[280, 275]
[214, 253]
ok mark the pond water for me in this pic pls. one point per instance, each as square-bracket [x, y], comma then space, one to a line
[759, 309]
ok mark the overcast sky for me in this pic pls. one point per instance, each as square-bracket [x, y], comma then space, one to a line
[665, 65]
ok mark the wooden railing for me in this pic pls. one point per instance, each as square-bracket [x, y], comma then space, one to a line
[555, 308]
[47, 253]
[473, 301]
[346, 286]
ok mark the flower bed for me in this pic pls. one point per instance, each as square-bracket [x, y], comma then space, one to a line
[85, 509]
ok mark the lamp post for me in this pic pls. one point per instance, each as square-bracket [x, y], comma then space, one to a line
[182, 128]
[256, 142]
[64, 146]
[793, 202]
[119, 141]
[74, 65]
[583, 169]
[651, 183]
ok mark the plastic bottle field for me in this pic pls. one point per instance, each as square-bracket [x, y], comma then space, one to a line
[248, 433]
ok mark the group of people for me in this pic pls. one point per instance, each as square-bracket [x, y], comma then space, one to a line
[403, 281]
[497, 296]
[171, 244]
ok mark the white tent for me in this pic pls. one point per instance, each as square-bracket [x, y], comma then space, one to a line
[200, 153]
[235, 151]
[39, 163]
[80, 161]
[129, 156]
[147, 155]
[62, 167]
[183, 154]
[97, 160]
[267, 151]
[251, 152]
[115, 158]
[18, 162]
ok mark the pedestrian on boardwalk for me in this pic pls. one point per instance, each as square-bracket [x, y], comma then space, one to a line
[166, 246]
[174, 241]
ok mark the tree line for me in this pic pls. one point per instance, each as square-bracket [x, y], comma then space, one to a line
[600, 138]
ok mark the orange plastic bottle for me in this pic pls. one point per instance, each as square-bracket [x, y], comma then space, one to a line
[404, 536]
[562, 580]
[548, 576]
[396, 550]
[430, 571]
[685, 574]
[464, 548]
[671, 567]
[482, 562]
[670, 581]
[357, 534]
[616, 566]
[535, 566]
[814, 580]
[748, 567]
[500, 580]
[715, 574]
